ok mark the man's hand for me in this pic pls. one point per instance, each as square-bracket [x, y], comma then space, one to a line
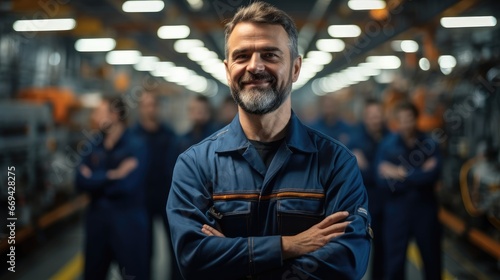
[85, 171]
[429, 164]
[315, 237]
[360, 157]
[391, 171]
[125, 167]
[210, 231]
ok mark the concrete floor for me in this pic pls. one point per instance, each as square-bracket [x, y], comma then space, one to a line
[58, 256]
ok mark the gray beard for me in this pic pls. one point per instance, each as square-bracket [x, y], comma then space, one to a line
[260, 101]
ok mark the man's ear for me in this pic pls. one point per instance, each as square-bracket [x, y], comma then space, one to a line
[297, 64]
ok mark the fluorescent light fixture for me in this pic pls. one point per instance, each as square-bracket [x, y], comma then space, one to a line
[163, 68]
[368, 69]
[446, 71]
[318, 57]
[123, 57]
[201, 53]
[60, 24]
[173, 31]
[210, 61]
[146, 63]
[358, 5]
[424, 64]
[385, 77]
[198, 84]
[330, 45]
[407, 46]
[195, 4]
[214, 68]
[311, 67]
[385, 61]
[344, 31]
[95, 45]
[150, 6]
[184, 45]
[447, 61]
[355, 74]
[462, 22]
[180, 75]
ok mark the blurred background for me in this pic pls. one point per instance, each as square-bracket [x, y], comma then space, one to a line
[58, 58]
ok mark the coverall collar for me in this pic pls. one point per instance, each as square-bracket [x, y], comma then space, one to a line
[297, 137]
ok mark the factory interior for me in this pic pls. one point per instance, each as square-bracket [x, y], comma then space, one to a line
[60, 58]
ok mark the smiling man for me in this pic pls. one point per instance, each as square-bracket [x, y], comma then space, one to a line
[267, 197]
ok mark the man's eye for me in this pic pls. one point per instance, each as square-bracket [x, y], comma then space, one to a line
[241, 56]
[270, 55]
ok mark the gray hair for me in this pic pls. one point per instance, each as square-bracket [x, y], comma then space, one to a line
[261, 12]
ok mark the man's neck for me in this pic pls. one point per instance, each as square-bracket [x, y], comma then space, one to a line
[113, 135]
[266, 128]
[149, 124]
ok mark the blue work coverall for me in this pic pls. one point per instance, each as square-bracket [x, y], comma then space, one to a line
[224, 183]
[362, 141]
[411, 208]
[117, 225]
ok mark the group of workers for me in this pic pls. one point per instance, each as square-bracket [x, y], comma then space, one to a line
[264, 196]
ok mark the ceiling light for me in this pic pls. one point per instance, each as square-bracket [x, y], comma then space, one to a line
[368, 69]
[355, 74]
[446, 71]
[424, 64]
[407, 46]
[60, 24]
[447, 61]
[173, 31]
[210, 61]
[180, 75]
[201, 53]
[123, 57]
[198, 84]
[461, 22]
[358, 5]
[330, 45]
[150, 6]
[184, 45]
[162, 68]
[344, 31]
[146, 63]
[385, 77]
[195, 4]
[95, 45]
[318, 57]
[385, 61]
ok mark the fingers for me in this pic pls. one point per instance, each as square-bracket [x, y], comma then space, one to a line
[332, 219]
[210, 231]
[336, 228]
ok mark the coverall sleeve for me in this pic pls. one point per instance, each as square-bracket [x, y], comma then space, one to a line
[420, 178]
[95, 182]
[135, 179]
[209, 257]
[344, 257]
[99, 183]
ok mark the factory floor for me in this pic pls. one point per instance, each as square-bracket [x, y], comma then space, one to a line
[58, 256]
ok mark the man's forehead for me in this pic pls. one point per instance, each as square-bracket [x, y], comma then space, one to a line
[247, 31]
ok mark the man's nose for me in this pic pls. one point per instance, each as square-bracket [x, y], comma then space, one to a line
[256, 64]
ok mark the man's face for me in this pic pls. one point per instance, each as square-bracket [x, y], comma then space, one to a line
[259, 68]
[407, 122]
[199, 112]
[373, 117]
[148, 108]
[102, 117]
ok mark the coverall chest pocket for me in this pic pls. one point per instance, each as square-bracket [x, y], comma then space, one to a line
[298, 215]
[233, 216]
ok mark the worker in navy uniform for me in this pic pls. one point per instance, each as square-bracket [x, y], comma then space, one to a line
[408, 165]
[330, 122]
[113, 172]
[267, 197]
[202, 124]
[364, 143]
[161, 143]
